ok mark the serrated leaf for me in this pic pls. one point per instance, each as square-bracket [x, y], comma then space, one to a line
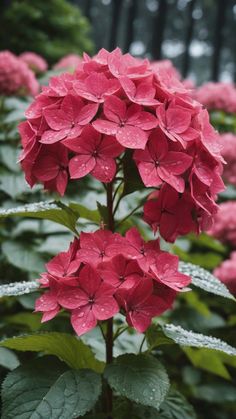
[205, 280]
[53, 211]
[208, 360]
[8, 359]
[140, 378]
[188, 338]
[176, 406]
[65, 346]
[18, 288]
[45, 388]
[23, 257]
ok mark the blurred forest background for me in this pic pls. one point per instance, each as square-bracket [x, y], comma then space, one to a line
[197, 35]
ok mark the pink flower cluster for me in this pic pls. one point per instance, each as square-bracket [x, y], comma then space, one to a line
[82, 122]
[226, 272]
[15, 76]
[224, 227]
[103, 273]
[34, 61]
[69, 62]
[228, 141]
[220, 96]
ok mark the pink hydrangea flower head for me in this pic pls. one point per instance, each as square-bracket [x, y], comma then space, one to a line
[15, 76]
[226, 272]
[34, 61]
[69, 62]
[103, 273]
[116, 106]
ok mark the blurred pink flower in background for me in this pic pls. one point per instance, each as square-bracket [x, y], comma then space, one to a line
[34, 61]
[16, 77]
[221, 96]
[69, 62]
[224, 227]
[228, 151]
[226, 272]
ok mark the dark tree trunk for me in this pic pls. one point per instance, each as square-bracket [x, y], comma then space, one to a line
[188, 38]
[218, 37]
[115, 19]
[158, 29]
[132, 11]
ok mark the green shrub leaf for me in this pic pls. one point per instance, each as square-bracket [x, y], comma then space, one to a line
[140, 378]
[45, 388]
[65, 346]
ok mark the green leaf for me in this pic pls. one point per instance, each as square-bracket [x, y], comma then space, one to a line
[87, 214]
[208, 360]
[156, 337]
[208, 260]
[205, 240]
[205, 280]
[132, 179]
[8, 359]
[176, 406]
[31, 321]
[140, 378]
[23, 257]
[66, 347]
[53, 211]
[46, 389]
[216, 393]
[188, 338]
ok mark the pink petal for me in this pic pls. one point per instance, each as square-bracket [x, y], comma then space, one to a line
[105, 127]
[90, 280]
[49, 315]
[81, 165]
[104, 170]
[83, 320]
[177, 120]
[87, 113]
[57, 119]
[110, 147]
[114, 109]
[132, 137]
[47, 302]
[72, 298]
[51, 137]
[176, 182]
[61, 182]
[147, 121]
[176, 162]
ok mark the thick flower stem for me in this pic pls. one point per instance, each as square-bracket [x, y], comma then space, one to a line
[109, 334]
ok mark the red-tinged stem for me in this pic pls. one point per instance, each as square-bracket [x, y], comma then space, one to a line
[109, 334]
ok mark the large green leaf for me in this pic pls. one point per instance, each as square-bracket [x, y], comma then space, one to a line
[53, 211]
[66, 347]
[13, 184]
[205, 280]
[45, 388]
[140, 378]
[188, 338]
[23, 257]
[176, 406]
